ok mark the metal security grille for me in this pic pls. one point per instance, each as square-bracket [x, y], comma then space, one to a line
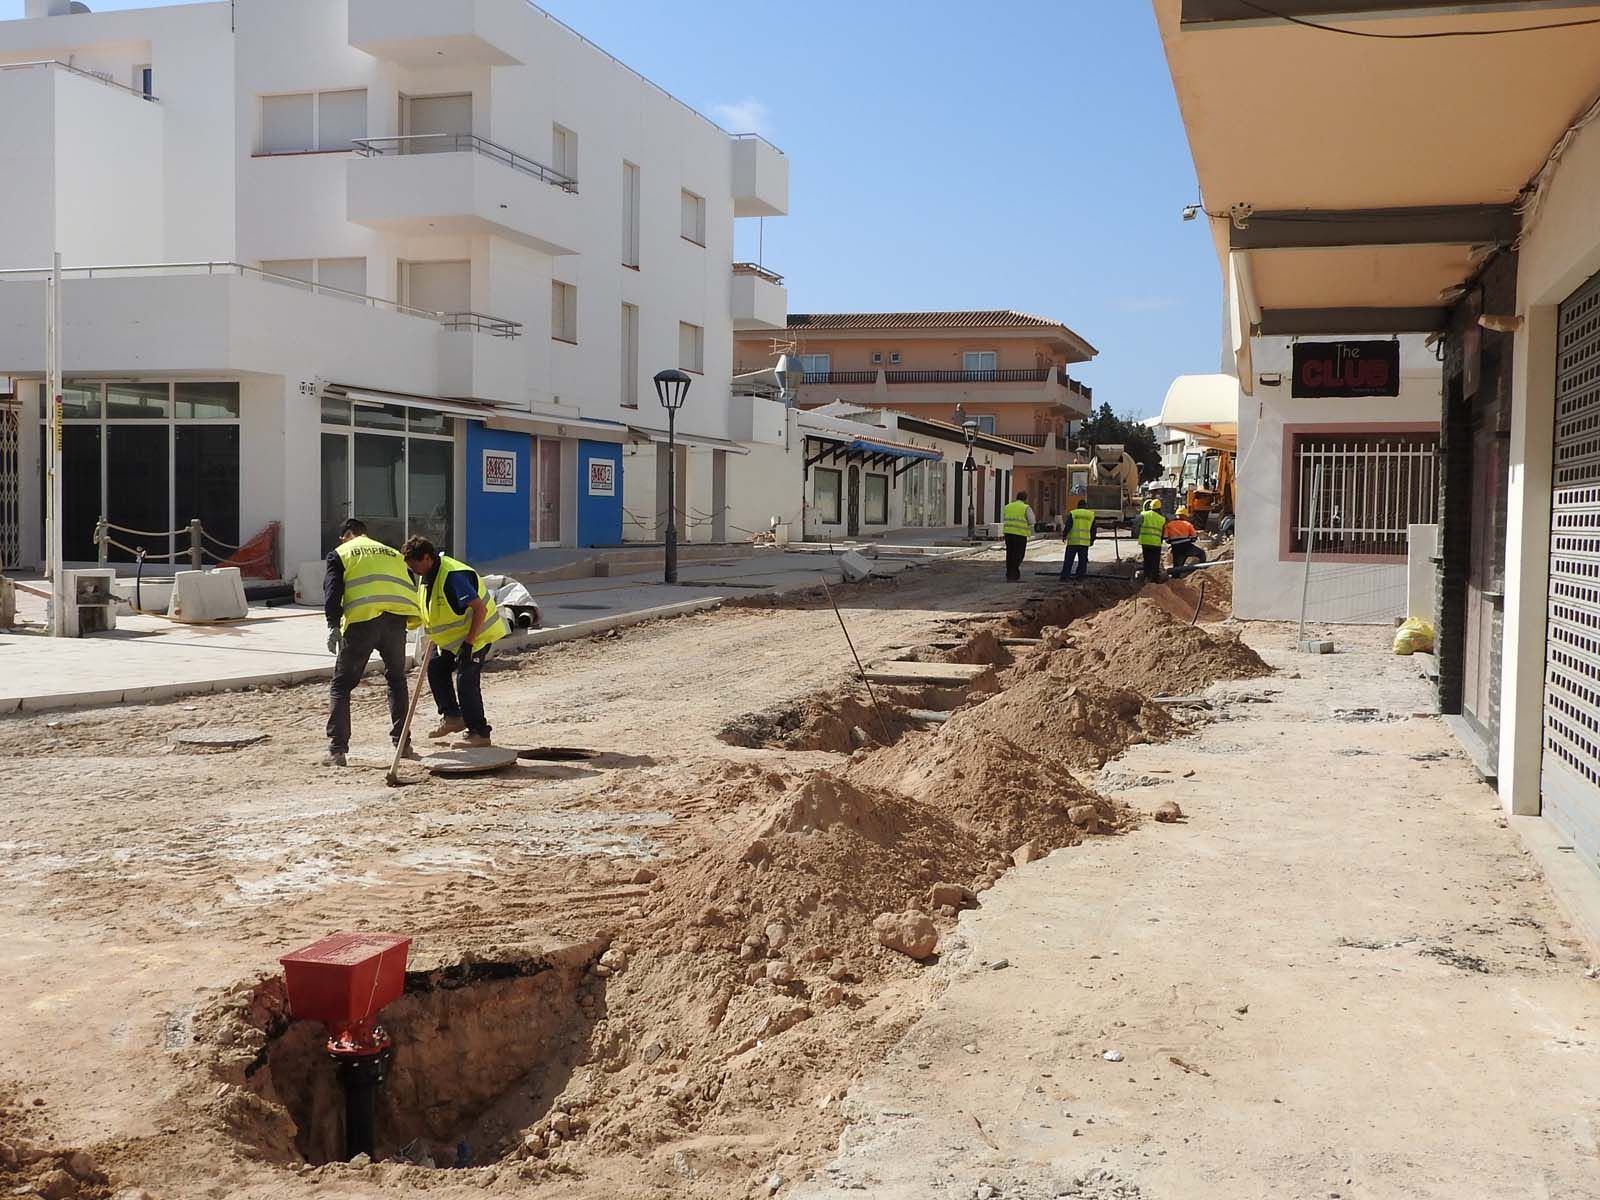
[10, 485]
[1570, 769]
[1356, 494]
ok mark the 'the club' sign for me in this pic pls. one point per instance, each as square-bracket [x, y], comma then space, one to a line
[1346, 369]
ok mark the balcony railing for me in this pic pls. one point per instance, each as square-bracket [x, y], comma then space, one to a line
[479, 323]
[1008, 375]
[756, 269]
[1072, 385]
[104, 77]
[447, 143]
[839, 378]
[1039, 440]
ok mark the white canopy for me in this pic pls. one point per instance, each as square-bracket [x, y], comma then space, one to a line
[1206, 407]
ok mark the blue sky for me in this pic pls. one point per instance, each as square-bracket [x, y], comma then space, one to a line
[1022, 154]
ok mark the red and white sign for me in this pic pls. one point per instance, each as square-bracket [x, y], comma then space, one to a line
[602, 477]
[499, 471]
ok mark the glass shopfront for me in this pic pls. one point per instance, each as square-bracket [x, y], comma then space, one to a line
[390, 466]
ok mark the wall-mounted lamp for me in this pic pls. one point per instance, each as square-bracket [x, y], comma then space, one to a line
[1191, 211]
[1501, 323]
[1270, 379]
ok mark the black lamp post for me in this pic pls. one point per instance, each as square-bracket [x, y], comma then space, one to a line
[671, 388]
[970, 428]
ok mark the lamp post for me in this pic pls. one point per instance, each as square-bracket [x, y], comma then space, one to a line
[970, 428]
[671, 388]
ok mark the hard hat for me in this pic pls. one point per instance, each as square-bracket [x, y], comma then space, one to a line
[1155, 504]
[1182, 511]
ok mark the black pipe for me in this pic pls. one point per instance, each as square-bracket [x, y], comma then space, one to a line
[361, 1077]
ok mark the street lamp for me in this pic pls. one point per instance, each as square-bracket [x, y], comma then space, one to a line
[970, 428]
[671, 388]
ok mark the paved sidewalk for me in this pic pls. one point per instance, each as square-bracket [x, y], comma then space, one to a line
[148, 658]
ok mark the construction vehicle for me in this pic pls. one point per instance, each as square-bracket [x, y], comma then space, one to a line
[1206, 485]
[1113, 490]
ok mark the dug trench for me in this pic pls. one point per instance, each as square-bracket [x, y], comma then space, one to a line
[697, 1034]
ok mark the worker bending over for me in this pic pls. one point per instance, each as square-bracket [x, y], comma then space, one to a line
[370, 602]
[463, 622]
[1018, 527]
[1181, 536]
[1080, 536]
[1151, 524]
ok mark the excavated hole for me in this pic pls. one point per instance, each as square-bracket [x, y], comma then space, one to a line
[1081, 600]
[480, 1051]
[844, 719]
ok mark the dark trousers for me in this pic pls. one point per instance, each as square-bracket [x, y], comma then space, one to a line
[1016, 550]
[1152, 563]
[1182, 552]
[1081, 554]
[385, 633]
[455, 678]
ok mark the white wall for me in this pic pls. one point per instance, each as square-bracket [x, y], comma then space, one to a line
[27, 162]
[1267, 585]
[110, 187]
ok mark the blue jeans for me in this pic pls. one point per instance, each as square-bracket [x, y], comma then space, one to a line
[454, 679]
[1081, 554]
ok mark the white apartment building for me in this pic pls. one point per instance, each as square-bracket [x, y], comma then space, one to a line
[411, 260]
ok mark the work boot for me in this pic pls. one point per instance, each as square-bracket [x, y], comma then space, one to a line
[474, 741]
[410, 752]
[446, 727]
[334, 758]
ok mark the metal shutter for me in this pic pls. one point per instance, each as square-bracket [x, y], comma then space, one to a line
[1570, 770]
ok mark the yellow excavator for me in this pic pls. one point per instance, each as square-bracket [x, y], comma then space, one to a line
[1206, 485]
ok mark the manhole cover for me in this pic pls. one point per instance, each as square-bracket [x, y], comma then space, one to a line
[559, 754]
[230, 737]
[474, 760]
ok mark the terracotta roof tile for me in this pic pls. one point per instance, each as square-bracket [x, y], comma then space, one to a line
[984, 319]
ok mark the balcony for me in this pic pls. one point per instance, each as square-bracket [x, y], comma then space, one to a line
[462, 184]
[1049, 449]
[482, 358]
[760, 178]
[760, 301]
[435, 33]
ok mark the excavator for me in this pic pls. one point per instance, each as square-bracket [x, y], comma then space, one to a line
[1206, 485]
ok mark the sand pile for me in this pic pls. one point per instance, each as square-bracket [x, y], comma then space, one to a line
[1053, 711]
[1141, 646]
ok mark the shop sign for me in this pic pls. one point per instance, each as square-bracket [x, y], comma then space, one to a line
[499, 471]
[1342, 370]
[602, 477]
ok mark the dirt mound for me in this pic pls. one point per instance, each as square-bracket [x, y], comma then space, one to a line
[846, 719]
[1140, 645]
[982, 648]
[1053, 712]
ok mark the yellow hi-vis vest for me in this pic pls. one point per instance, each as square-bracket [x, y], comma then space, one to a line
[375, 582]
[1015, 516]
[1081, 532]
[447, 629]
[1151, 523]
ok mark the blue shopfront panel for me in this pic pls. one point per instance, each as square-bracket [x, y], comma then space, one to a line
[599, 494]
[499, 474]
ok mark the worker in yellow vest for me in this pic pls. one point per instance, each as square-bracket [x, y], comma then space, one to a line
[1080, 536]
[463, 623]
[1151, 524]
[369, 602]
[1018, 527]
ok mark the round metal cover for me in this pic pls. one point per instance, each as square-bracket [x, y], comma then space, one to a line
[475, 760]
[220, 737]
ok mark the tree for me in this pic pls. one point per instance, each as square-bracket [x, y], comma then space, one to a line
[1105, 428]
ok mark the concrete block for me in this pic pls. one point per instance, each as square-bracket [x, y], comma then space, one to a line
[91, 601]
[1315, 646]
[856, 567]
[208, 596]
[308, 579]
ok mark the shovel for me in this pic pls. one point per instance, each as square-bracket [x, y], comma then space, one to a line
[393, 777]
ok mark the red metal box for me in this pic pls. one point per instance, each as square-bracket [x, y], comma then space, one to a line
[347, 977]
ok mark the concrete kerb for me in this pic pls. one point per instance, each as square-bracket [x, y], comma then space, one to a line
[519, 640]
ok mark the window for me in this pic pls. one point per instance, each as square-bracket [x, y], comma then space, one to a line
[1356, 493]
[312, 121]
[694, 218]
[829, 496]
[394, 470]
[564, 312]
[691, 348]
[630, 356]
[630, 215]
[144, 80]
[894, 358]
[877, 500]
[985, 424]
[877, 358]
[437, 122]
[440, 287]
[983, 363]
[342, 274]
[564, 151]
[817, 367]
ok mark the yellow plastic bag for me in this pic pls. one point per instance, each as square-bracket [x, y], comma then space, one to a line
[1415, 636]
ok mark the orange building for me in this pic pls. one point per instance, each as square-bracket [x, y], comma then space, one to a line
[1006, 370]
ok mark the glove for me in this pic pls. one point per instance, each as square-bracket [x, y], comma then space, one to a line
[335, 641]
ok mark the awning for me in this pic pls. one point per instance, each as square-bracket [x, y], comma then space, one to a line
[378, 399]
[865, 446]
[1206, 407]
[699, 441]
[554, 425]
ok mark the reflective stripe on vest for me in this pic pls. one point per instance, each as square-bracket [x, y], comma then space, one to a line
[1015, 515]
[1151, 523]
[375, 582]
[1082, 531]
[447, 629]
